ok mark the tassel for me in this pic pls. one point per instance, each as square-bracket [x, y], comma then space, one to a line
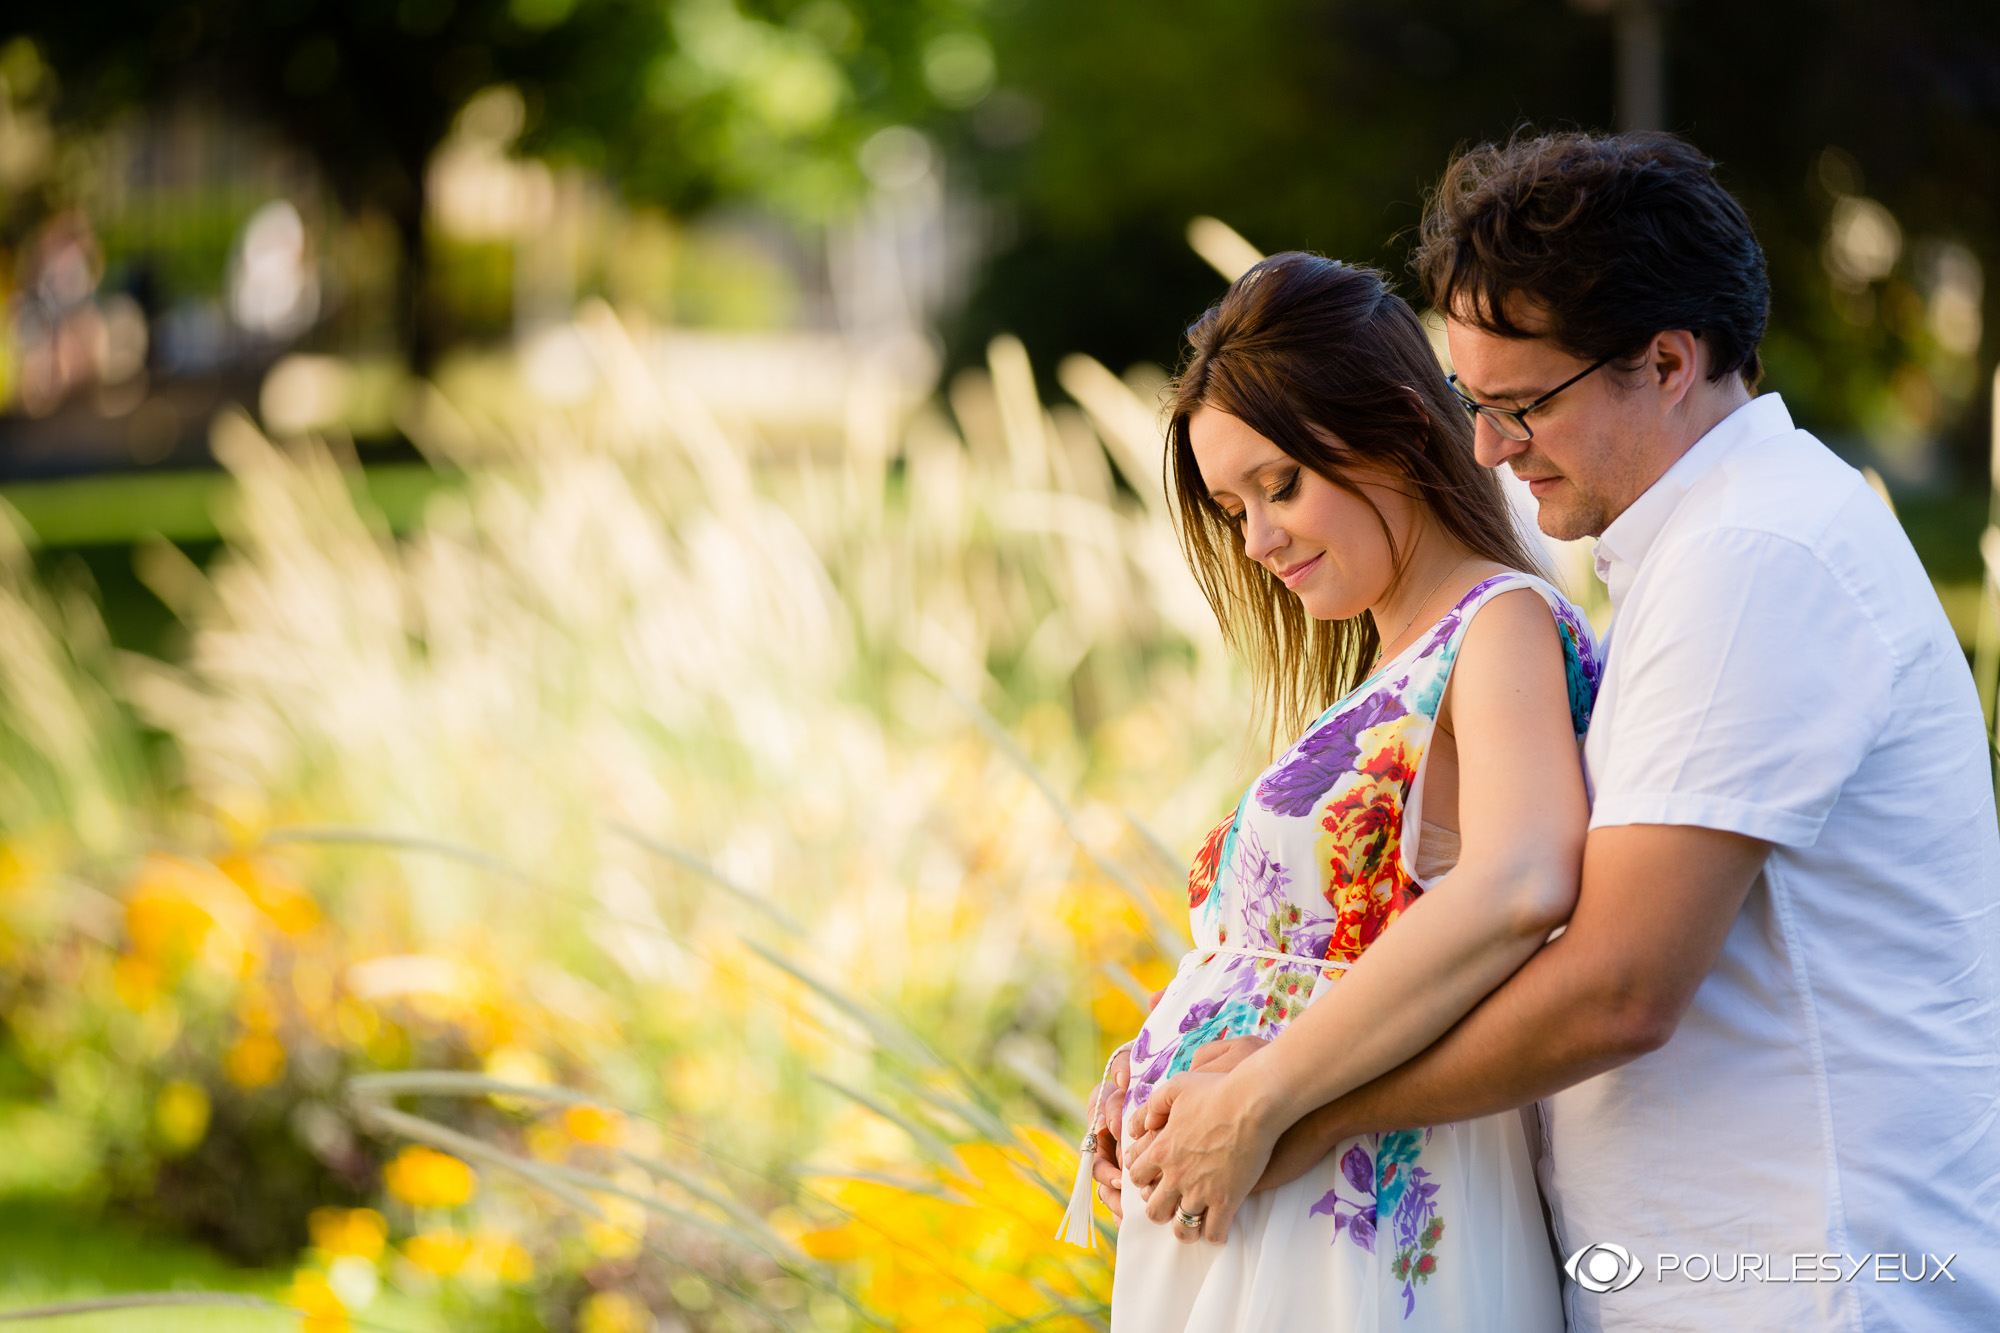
[1078, 1228]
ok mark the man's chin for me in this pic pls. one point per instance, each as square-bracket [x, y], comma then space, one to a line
[1565, 522]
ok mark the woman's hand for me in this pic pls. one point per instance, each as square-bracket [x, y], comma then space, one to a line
[1109, 1099]
[1203, 1149]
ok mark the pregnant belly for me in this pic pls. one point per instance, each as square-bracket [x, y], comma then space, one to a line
[1212, 998]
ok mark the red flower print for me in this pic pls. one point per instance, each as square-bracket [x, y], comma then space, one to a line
[1391, 762]
[1365, 881]
[1207, 861]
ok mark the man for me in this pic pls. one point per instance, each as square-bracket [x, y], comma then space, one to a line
[1767, 1045]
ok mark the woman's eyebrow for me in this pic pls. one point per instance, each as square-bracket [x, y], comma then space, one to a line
[1261, 467]
[1251, 472]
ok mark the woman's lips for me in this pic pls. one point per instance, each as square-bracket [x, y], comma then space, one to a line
[1300, 571]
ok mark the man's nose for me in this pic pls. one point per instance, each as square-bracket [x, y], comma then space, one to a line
[1490, 447]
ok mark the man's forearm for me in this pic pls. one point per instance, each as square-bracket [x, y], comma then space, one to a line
[1549, 1026]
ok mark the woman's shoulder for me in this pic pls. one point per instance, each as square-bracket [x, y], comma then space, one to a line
[1489, 579]
[1525, 626]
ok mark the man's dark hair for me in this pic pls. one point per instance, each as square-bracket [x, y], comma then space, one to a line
[1609, 238]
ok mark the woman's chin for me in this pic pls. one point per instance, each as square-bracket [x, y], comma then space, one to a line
[1320, 606]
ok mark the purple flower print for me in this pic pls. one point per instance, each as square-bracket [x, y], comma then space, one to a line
[1198, 1013]
[1442, 632]
[1323, 755]
[1355, 1216]
[1360, 1172]
[1389, 1190]
[1262, 879]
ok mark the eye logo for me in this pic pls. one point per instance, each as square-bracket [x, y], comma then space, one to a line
[1604, 1266]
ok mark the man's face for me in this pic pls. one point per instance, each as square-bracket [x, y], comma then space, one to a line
[1584, 464]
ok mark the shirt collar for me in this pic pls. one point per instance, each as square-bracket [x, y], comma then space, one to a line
[1623, 547]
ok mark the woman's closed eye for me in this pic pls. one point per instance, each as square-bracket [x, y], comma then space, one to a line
[1286, 490]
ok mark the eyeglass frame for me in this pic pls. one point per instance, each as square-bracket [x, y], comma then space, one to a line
[1520, 414]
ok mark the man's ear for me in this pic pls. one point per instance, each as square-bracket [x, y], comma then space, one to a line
[1674, 359]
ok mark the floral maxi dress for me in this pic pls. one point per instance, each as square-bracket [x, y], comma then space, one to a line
[1433, 1229]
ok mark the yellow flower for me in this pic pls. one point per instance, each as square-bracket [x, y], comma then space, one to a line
[339, 1232]
[314, 1297]
[612, 1312]
[180, 1116]
[254, 1060]
[952, 1259]
[136, 981]
[18, 867]
[439, 1253]
[835, 1244]
[594, 1124]
[288, 905]
[1117, 1012]
[164, 917]
[425, 1178]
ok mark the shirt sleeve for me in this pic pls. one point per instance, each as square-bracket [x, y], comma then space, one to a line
[1748, 689]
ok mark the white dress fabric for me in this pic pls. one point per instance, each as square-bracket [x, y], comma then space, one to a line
[1423, 1229]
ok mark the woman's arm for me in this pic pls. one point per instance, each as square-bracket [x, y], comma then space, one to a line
[1522, 814]
[1207, 1138]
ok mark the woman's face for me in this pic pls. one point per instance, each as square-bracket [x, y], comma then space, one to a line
[1324, 543]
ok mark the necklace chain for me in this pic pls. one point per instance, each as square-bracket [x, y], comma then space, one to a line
[1382, 647]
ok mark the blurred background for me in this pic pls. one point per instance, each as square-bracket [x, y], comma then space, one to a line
[600, 721]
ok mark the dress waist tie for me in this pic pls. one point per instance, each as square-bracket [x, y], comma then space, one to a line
[1337, 964]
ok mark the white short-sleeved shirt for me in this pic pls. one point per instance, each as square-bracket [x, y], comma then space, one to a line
[1778, 666]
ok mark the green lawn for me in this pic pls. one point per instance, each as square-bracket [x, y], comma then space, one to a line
[120, 508]
[56, 1248]
[53, 1250]
[91, 525]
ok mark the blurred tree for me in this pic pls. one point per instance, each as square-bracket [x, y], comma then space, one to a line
[683, 102]
[1096, 132]
[1321, 124]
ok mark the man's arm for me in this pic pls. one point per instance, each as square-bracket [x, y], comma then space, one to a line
[1657, 901]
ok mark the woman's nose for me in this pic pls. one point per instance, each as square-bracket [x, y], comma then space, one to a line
[1261, 538]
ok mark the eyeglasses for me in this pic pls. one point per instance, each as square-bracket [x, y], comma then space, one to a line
[1512, 422]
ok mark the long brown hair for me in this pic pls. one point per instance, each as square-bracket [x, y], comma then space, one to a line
[1298, 348]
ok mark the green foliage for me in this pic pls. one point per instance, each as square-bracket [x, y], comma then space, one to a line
[1321, 126]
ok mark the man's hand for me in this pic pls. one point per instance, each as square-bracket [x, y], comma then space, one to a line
[1219, 1057]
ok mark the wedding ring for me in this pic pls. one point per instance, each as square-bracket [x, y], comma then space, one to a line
[1188, 1219]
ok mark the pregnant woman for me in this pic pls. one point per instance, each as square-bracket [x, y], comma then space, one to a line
[1415, 843]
